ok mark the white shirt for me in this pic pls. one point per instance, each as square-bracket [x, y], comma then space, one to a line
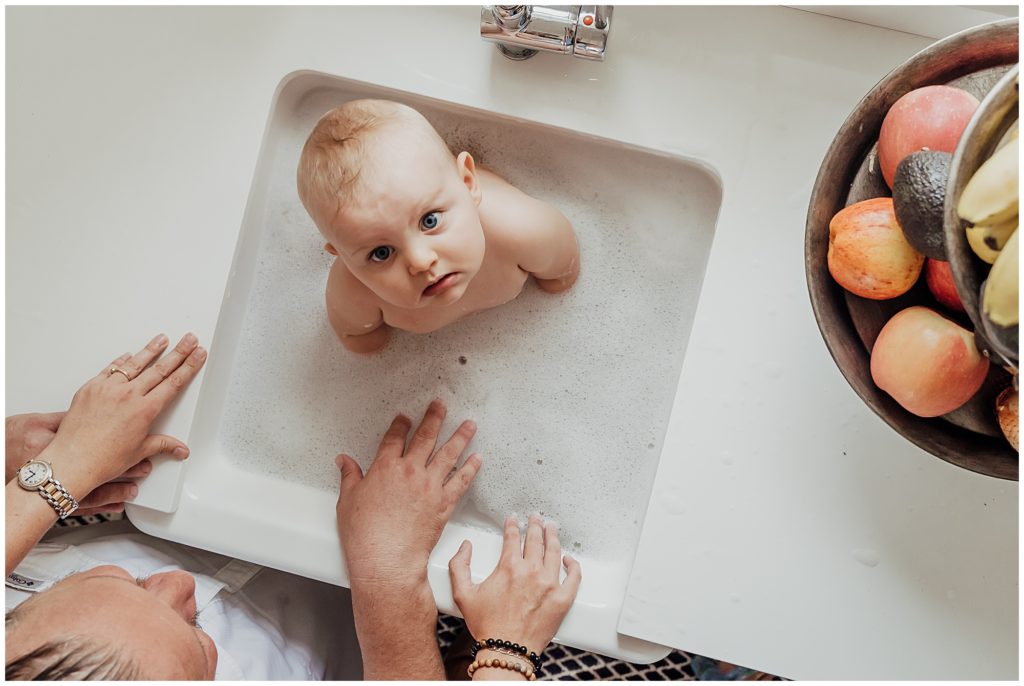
[266, 624]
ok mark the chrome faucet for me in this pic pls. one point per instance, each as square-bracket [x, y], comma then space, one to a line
[522, 30]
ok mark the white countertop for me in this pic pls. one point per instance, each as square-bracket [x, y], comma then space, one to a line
[789, 529]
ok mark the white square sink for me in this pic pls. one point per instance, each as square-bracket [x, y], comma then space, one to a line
[572, 393]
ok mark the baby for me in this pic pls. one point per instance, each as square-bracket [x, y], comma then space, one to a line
[422, 237]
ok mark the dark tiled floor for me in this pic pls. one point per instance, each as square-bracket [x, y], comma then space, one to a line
[562, 663]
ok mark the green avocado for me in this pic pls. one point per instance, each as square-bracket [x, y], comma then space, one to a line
[919, 196]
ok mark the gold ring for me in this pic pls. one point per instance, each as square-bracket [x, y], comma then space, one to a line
[114, 369]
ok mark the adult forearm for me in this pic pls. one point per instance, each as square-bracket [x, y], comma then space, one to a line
[15, 437]
[396, 628]
[26, 518]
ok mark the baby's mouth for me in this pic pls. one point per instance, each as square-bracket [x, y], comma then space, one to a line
[442, 284]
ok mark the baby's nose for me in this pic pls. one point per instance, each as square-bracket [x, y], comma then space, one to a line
[420, 258]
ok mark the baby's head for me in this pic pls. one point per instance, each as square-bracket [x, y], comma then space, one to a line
[393, 202]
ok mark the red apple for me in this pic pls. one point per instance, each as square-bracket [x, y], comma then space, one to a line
[867, 252]
[930, 118]
[939, 277]
[926, 362]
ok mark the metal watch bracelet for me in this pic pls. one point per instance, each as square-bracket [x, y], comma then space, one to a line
[60, 500]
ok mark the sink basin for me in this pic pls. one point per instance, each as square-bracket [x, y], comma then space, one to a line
[572, 393]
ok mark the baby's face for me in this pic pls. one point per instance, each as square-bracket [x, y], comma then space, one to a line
[411, 232]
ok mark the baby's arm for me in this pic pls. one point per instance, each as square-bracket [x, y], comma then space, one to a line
[356, 320]
[543, 239]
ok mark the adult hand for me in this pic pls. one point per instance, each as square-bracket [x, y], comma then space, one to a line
[28, 435]
[390, 519]
[105, 433]
[522, 600]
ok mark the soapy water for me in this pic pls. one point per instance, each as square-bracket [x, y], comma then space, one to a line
[571, 392]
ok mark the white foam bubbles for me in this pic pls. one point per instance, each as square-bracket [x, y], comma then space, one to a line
[571, 392]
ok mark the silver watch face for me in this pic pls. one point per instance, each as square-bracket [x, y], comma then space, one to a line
[34, 474]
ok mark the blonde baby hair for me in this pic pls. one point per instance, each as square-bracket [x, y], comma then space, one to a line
[332, 157]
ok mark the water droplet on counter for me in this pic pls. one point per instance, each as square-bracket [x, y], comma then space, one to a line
[867, 557]
[674, 503]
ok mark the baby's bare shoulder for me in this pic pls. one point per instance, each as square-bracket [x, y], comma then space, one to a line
[498, 195]
[509, 214]
[352, 307]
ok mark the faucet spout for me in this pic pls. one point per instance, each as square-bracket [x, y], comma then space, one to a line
[511, 17]
[520, 31]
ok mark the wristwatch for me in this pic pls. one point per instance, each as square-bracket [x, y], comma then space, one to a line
[37, 475]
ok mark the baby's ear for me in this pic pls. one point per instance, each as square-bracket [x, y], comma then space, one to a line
[330, 248]
[467, 170]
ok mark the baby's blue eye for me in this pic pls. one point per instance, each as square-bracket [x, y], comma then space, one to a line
[430, 220]
[381, 253]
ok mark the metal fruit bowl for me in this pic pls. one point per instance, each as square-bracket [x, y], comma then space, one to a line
[993, 118]
[969, 437]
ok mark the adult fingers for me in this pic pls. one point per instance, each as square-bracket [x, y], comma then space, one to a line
[459, 572]
[449, 453]
[110, 493]
[36, 432]
[425, 437]
[105, 372]
[351, 472]
[150, 378]
[51, 420]
[533, 549]
[142, 359]
[461, 479]
[105, 509]
[159, 444]
[393, 443]
[511, 548]
[137, 471]
[573, 577]
[178, 379]
[552, 549]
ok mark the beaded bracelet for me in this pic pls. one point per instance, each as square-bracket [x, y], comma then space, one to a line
[512, 665]
[503, 647]
[507, 651]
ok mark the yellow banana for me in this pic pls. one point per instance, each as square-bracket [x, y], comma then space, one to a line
[986, 240]
[990, 197]
[1001, 291]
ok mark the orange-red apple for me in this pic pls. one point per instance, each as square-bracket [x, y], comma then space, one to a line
[867, 252]
[926, 362]
[939, 277]
[933, 118]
